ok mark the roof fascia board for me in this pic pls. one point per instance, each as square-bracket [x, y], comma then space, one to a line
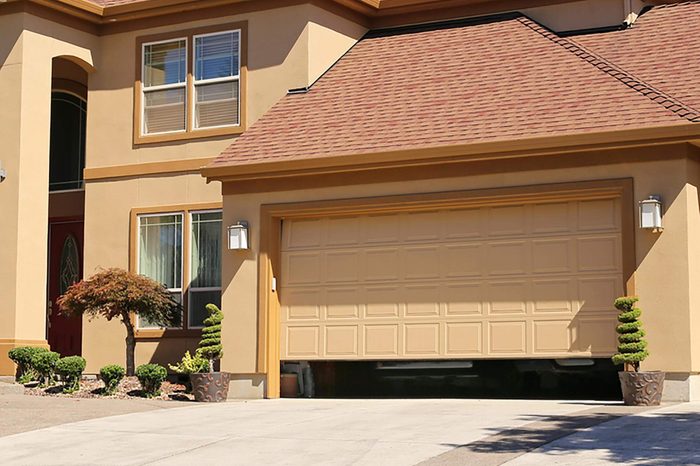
[528, 147]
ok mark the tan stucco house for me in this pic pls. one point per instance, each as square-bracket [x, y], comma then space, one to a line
[418, 180]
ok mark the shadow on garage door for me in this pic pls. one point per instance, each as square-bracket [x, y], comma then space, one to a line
[534, 379]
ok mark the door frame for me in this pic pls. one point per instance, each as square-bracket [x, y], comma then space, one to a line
[272, 215]
[59, 221]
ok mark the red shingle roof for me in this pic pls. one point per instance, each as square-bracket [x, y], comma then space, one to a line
[499, 79]
[662, 48]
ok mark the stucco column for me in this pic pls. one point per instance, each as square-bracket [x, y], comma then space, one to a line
[25, 89]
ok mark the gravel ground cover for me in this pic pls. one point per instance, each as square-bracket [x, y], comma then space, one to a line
[129, 388]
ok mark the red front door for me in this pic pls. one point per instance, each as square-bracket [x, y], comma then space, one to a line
[65, 268]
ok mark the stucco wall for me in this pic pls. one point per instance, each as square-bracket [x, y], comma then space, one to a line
[662, 279]
[27, 46]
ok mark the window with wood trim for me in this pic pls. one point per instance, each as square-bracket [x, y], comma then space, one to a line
[182, 250]
[190, 84]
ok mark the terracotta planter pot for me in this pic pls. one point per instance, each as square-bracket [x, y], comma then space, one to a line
[642, 388]
[289, 386]
[210, 387]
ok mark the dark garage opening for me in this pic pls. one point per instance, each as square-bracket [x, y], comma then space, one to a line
[527, 379]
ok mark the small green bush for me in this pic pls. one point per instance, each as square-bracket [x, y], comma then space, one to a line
[44, 363]
[151, 376]
[111, 375]
[71, 370]
[22, 356]
[190, 364]
[632, 348]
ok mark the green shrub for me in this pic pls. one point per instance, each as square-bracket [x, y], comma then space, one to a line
[71, 370]
[111, 375]
[44, 363]
[632, 348]
[210, 345]
[22, 356]
[151, 376]
[190, 364]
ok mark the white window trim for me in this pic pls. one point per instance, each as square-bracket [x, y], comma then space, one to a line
[195, 82]
[162, 87]
[190, 289]
[182, 265]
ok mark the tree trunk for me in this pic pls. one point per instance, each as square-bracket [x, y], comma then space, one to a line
[130, 345]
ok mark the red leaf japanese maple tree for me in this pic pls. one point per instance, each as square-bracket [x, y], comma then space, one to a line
[118, 294]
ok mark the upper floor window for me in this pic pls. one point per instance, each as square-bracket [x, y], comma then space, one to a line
[67, 141]
[191, 85]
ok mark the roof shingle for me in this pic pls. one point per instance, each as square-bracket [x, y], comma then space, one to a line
[497, 80]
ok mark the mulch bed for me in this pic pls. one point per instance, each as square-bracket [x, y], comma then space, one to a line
[129, 388]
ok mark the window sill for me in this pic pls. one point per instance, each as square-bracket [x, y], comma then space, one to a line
[189, 135]
[154, 334]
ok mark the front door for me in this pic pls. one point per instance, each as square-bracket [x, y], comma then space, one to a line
[65, 268]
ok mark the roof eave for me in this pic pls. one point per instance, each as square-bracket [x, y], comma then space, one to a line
[479, 151]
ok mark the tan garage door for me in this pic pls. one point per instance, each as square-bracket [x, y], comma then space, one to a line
[534, 280]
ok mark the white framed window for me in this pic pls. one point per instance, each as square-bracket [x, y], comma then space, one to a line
[205, 264]
[164, 86]
[160, 255]
[217, 74]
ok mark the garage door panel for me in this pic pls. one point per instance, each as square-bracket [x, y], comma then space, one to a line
[421, 300]
[599, 215]
[533, 280]
[507, 258]
[463, 338]
[381, 340]
[507, 297]
[342, 266]
[382, 301]
[507, 338]
[552, 256]
[341, 340]
[421, 339]
[551, 218]
[551, 336]
[464, 299]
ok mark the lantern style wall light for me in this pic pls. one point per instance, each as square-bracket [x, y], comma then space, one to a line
[238, 236]
[650, 212]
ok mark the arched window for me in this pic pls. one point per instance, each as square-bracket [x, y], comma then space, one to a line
[67, 149]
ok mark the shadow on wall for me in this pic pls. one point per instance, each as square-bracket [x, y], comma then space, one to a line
[661, 439]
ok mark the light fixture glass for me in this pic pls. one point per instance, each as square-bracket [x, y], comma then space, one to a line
[650, 213]
[238, 236]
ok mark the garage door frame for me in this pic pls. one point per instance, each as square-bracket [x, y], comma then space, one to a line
[272, 215]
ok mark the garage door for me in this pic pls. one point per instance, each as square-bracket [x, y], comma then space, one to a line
[508, 281]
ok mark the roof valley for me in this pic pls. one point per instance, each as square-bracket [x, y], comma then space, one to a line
[655, 95]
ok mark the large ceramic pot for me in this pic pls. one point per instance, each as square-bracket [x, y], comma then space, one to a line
[642, 388]
[210, 386]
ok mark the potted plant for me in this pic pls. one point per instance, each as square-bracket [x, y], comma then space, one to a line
[211, 386]
[638, 388]
[190, 365]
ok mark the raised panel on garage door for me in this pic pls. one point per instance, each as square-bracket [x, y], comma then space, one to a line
[509, 281]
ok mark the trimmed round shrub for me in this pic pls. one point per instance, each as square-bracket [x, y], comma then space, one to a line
[44, 363]
[22, 356]
[111, 375]
[151, 377]
[210, 346]
[71, 370]
[632, 348]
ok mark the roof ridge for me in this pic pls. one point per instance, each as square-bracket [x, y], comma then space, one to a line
[628, 79]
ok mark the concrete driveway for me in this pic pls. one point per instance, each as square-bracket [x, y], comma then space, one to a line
[302, 432]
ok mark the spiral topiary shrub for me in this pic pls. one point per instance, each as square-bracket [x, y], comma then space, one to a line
[210, 346]
[71, 370]
[632, 348]
[151, 377]
[111, 375]
[22, 356]
[44, 363]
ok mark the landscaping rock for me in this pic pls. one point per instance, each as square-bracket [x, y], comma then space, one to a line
[129, 387]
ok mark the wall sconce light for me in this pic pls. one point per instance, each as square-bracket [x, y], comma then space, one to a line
[238, 236]
[650, 211]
